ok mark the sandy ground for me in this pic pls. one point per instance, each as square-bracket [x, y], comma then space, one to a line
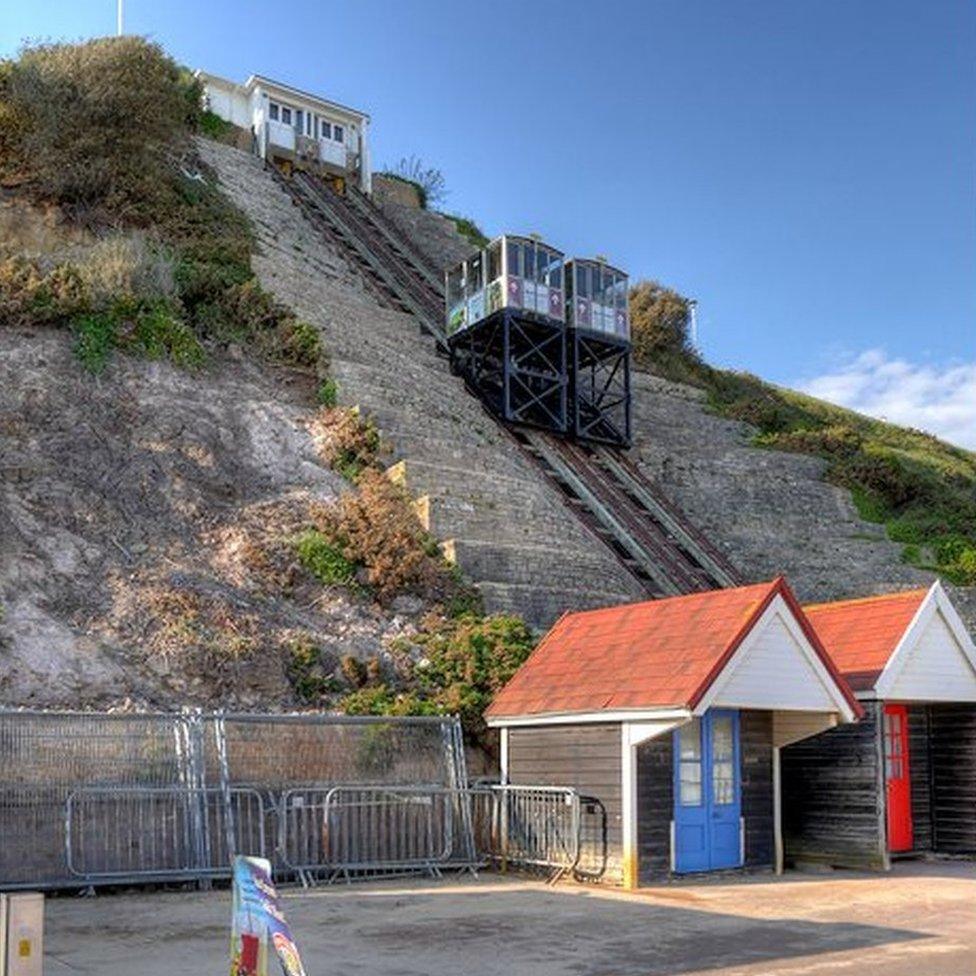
[921, 921]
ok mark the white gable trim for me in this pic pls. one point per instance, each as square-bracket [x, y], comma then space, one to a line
[936, 601]
[575, 718]
[778, 609]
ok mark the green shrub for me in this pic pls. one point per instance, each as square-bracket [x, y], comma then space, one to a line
[305, 671]
[468, 229]
[327, 394]
[659, 323]
[324, 558]
[94, 340]
[93, 122]
[159, 333]
[214, 126]
[300, 344]
[465, 664]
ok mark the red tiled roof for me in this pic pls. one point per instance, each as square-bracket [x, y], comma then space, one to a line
[861, 635]
[655, 654]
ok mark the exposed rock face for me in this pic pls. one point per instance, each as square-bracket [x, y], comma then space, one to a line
[132, 504]
[770, 511]
[127, 503]
[434, 236]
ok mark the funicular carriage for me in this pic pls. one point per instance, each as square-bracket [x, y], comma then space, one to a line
[506, 328]
[599, 350]
[541, 340]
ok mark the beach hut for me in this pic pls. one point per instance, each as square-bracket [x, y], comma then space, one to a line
[903, 780]
[672, 713]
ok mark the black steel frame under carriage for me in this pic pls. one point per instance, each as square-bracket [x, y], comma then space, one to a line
[530, 369]
[600, 388]
[516, 362]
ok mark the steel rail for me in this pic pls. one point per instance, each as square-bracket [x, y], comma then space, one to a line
[651, 538]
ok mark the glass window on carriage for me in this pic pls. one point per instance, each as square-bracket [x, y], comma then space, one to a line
[494, 261]
[455, 286]
[598, 288]
[555, 270]
[582, 281]
[542, 258]
[528, 261]
[513, 254]
[475, 280]
[621, 303]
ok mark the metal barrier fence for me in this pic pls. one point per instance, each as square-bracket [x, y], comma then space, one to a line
[115, 834]
[536, 826]
[93, 798]
[99, 799]
[354, 829]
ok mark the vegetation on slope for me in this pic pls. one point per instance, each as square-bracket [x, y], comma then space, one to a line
[922, 489]
[147, 257]
[468, 229]
[101, 132]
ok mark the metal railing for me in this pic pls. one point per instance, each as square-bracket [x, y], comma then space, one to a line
[353, 829]
[117, 834]
[112, 798]
[534, 826]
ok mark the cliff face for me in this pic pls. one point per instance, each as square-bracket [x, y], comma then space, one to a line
[771, 512]
[133, 508]
[509, 530]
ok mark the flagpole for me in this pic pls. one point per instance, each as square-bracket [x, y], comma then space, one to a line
[118, 18]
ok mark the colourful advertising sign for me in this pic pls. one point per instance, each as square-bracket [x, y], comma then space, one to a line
[257, 919]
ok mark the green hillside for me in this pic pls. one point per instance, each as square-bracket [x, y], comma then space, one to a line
[922, 489]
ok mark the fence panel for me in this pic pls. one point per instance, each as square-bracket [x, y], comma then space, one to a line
[113, 834]
[126, 797]
[536, 826]
[369, 828]
[46, 756]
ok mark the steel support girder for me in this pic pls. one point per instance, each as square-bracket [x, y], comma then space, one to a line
[516, 363]
[601, 396]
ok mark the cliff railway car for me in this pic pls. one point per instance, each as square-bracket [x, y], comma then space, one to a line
[598, 324]
[538, 347]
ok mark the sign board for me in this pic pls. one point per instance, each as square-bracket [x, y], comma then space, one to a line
[258, 924]
[22, 934]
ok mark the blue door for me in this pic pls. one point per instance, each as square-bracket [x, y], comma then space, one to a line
[707, 793]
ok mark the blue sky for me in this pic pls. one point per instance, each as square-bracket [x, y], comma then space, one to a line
[806, 170]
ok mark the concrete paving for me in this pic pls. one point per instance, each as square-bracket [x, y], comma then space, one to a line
[920, 921]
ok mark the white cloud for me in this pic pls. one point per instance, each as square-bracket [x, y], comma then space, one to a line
[938, 399]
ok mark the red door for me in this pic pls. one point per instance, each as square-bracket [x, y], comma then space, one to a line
[897, 778]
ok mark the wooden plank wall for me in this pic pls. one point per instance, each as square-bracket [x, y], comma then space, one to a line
[953, 753]
[833, 796]
[756, 742]
[586, 757]
[919, 770]
[655, 807]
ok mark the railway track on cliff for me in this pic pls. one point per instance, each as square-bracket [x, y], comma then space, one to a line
[657, 544]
